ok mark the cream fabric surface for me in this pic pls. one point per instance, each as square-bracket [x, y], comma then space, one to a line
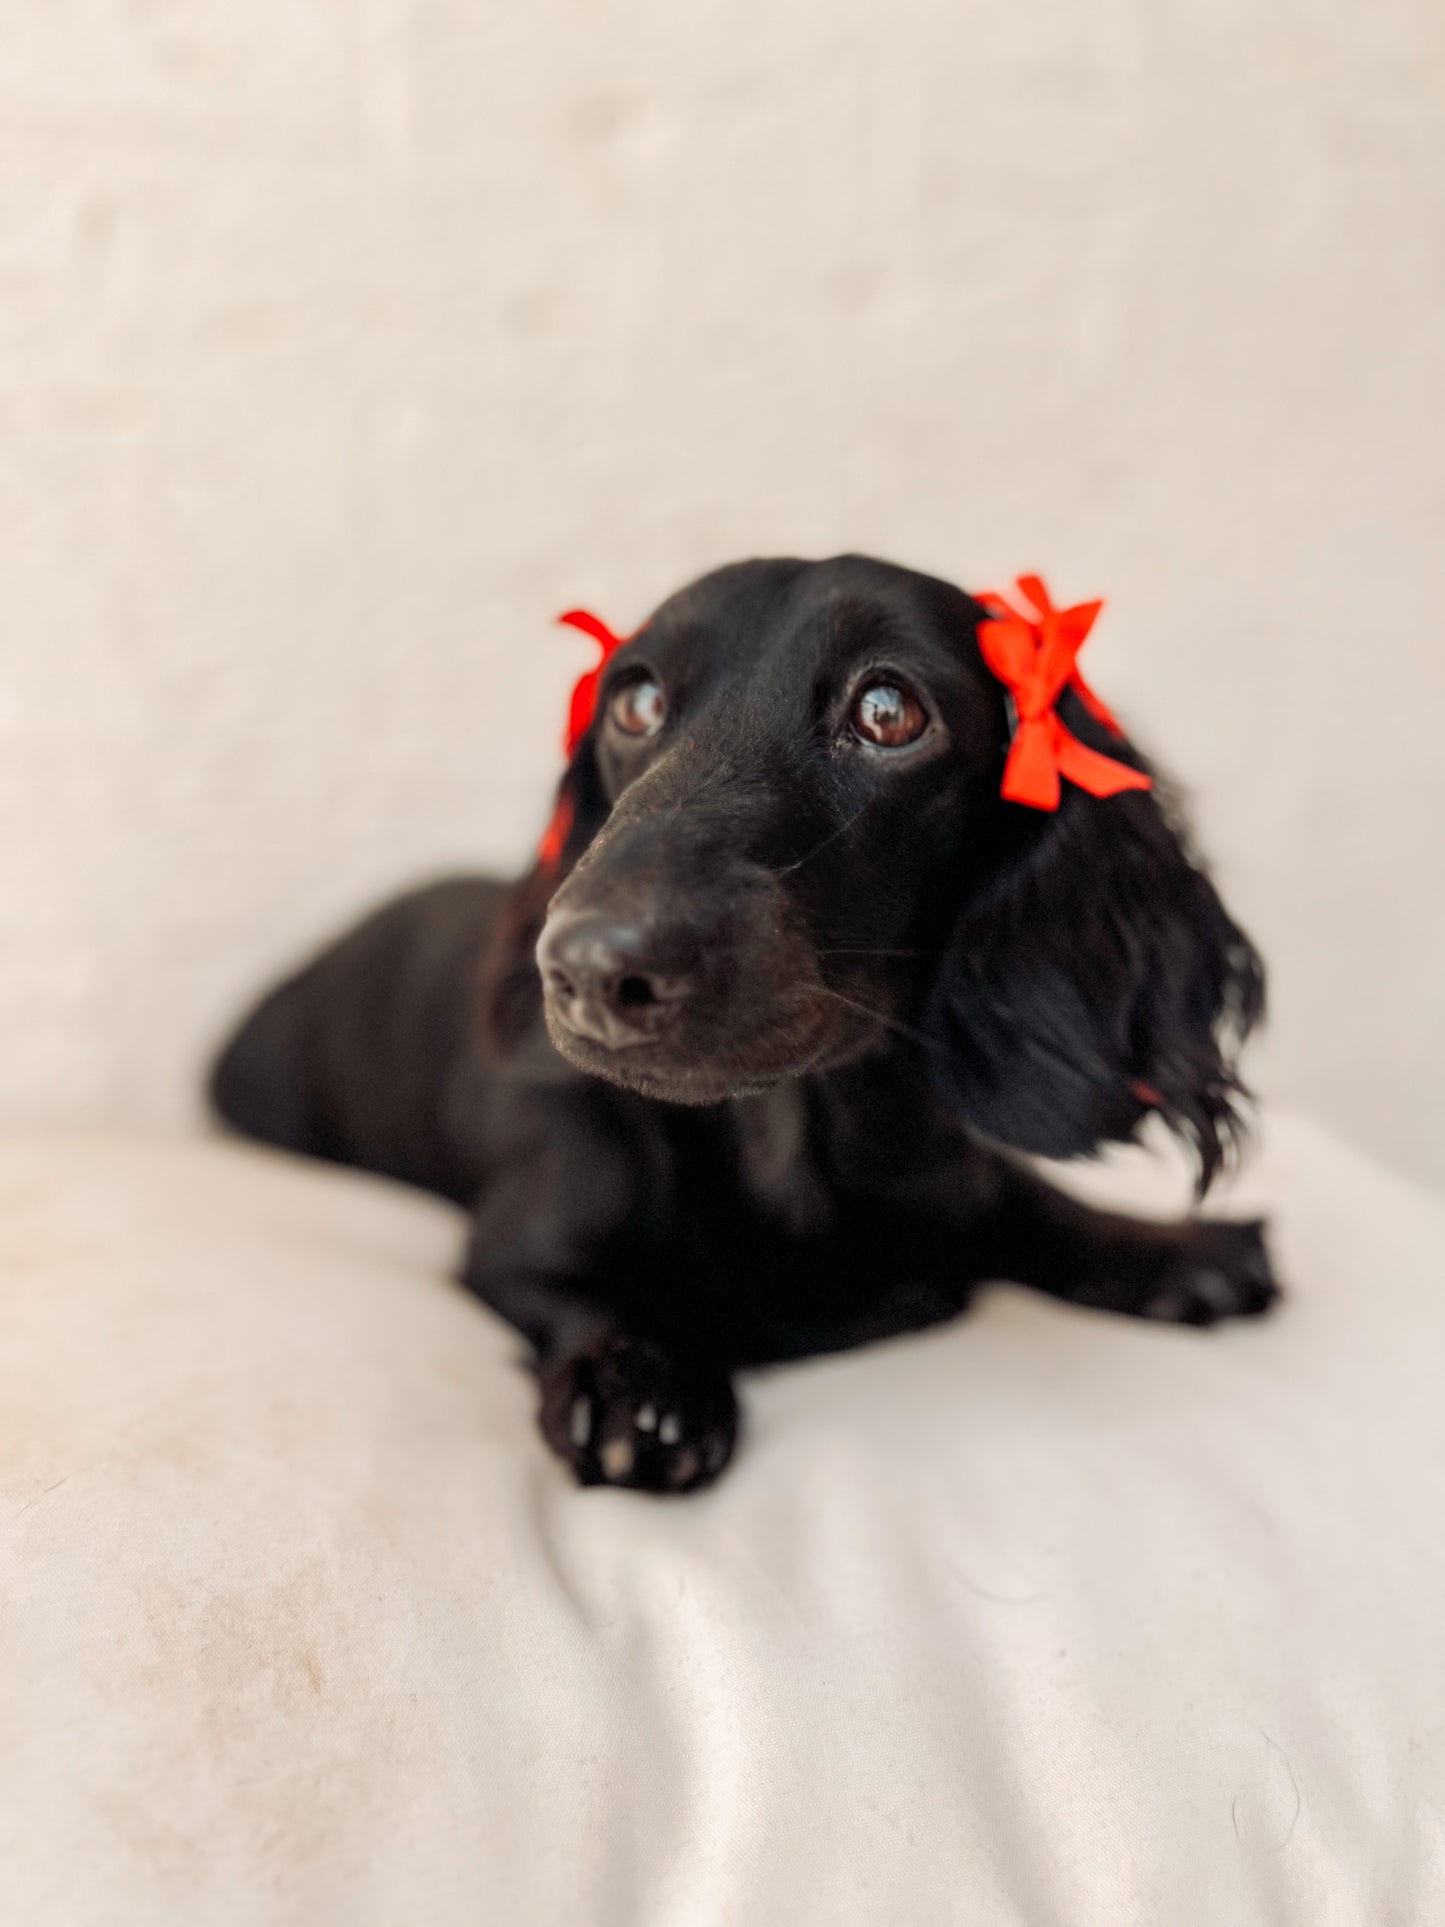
[1045, 1617]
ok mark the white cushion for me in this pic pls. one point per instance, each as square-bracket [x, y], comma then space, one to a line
[1043, 1617]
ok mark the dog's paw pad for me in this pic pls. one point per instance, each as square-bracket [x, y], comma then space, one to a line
[625, 1412]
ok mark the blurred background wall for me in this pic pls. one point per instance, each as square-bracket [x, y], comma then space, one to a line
[342, 342]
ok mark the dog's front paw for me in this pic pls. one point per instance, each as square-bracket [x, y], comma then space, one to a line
[627, 1412]
[1223, 1271]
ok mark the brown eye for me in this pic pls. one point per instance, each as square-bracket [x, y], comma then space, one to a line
[888, 716]
[638, 708]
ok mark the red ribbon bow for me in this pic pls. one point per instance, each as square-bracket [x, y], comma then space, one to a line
[583, 706]
[1035, 660]
[580, 712]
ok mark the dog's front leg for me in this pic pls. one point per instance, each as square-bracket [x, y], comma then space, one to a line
[1192, 1271]
[632, 1390]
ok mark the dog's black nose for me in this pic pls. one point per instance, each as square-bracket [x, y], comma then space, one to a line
[617, 983]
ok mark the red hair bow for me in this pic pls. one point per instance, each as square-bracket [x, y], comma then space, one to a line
[583, 706]
[1035, 659]
[580, 711]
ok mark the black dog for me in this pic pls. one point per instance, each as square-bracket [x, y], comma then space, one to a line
[804, 973]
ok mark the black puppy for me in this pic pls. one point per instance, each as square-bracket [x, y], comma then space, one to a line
[727, 1079]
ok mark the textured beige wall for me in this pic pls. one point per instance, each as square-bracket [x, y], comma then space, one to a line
[341, 344]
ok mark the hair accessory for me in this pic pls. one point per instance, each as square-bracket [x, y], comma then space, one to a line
[1035, 659]
[583, 706]
[580, 711]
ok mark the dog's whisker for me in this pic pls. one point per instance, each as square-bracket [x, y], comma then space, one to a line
[818, 848]
[891, 1023]
[845, 951]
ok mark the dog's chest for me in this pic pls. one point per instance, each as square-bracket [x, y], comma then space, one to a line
[778, 1166]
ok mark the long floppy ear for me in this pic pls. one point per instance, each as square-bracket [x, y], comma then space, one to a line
[1096, 977]
[511, 987]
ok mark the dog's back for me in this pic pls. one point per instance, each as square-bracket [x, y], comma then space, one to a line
[349, 1058]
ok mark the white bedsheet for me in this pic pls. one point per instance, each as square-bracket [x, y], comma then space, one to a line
[1046, 1617]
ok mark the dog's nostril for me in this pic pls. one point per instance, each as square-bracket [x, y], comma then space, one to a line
[604, 979]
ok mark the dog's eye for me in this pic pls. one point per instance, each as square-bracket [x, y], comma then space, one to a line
[638, 708]
[888, 716]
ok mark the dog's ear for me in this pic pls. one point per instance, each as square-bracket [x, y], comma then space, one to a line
[511, 986]
[1093, 978]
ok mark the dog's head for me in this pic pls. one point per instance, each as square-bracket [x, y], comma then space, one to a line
[787, 850]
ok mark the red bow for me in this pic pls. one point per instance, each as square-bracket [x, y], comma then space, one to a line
[583, 706]
[580, 711]
[1035, 661]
